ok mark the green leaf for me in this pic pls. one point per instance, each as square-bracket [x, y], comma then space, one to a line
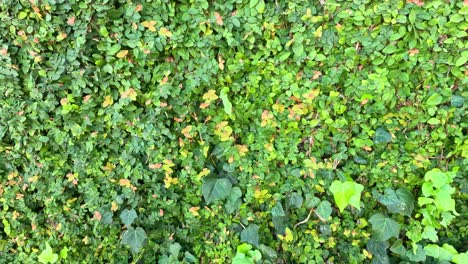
[253, 3]
[47, 255]
[260, 6]
[398, 248]
[346, 193]
[457, 101]
[384, 228]
[444, 253]
[234, 200]
[416, 255]
[324, 210]
[434, 100]
[250, 234]
[382, 136]
[400, 201]
[214, 189]
[460, 61]
[279, 218]
[461, 258]
[134, 238]
[128, 216]
[227, 104]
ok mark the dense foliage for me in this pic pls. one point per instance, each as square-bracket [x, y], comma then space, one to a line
[256, 131]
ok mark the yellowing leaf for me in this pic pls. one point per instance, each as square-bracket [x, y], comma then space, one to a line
[165, 32]
[168, 181]
[114, 206]
[203, 173]
[288, 236]
[130, 93]
[122, 54]
[125, 183]
[186, 131]
[194, 210]
[107, 101]
[242, 149]
[149, 25]
[223, 131]
[210, 96]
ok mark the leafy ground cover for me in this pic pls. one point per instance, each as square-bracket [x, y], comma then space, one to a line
[246, 131]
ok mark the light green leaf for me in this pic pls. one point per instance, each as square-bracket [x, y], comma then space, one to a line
[461, 258]
[227, 104]
[434, 99]
[260, 6]
[214, 189]
[346, 193]
[445, 253]
[134, 238]
[47, 255]
[384, 228]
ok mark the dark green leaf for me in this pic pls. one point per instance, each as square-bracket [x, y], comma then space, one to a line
[384, 228]
[134, 238]
[215, 189]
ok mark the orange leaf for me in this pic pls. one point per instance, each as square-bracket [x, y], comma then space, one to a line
[155, 166]
[71, 21]
[416, 2]
[219, 18]
[130, 93]
[413, 52]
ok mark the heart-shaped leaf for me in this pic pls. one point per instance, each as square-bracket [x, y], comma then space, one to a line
[214, 189]
[134, 238]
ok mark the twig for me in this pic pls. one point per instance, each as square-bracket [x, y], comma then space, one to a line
[305, 220]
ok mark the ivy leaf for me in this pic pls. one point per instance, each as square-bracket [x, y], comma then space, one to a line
[47, 255]
[444, 253]
[461, 258]
[233, 201]
[128, 216]
[408, 198]
[400, 201]
[346, 193]
[214, 189]
[134, 238]
[250, 234]
[418, 255]
[279, 218]
[384, 228]
[382, 136]
[324, 210]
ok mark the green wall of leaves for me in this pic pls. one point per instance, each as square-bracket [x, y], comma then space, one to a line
[254, 131]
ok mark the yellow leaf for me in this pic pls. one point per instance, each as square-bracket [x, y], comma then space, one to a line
[165, 32]
[107, 101]
[122, 54]
[203, 173]
[210, 96]
[114, 206]
[130, 93]
[149, 25]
